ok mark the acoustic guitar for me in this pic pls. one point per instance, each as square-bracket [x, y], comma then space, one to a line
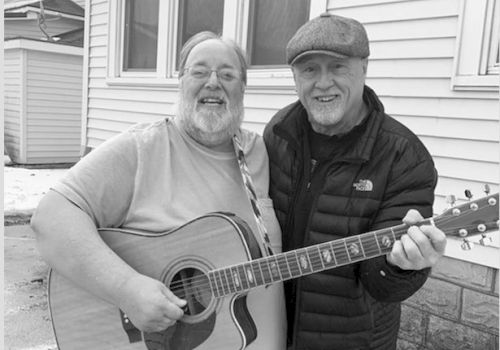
[214, 262]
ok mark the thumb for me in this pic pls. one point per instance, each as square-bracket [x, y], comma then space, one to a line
[174, 298]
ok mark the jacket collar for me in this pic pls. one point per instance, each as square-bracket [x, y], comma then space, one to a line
[293, 128]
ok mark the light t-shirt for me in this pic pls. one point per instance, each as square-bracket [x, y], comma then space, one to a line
[154, 177]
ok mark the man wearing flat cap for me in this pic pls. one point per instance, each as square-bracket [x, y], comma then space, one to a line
[341, 167]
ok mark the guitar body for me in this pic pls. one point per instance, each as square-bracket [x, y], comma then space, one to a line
[180, 259]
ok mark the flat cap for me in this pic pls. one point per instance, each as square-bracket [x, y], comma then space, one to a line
[329, 34]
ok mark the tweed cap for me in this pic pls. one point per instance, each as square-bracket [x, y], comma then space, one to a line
[329, 34]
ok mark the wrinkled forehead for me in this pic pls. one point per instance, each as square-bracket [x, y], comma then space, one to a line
[213, 53]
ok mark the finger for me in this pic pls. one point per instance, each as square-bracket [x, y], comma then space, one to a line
[411, 247]
[397, 256]
[412, 217]
[173, 311]
[174, 298]
[436, 237]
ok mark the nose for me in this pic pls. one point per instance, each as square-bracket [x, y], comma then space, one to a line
[325, 80]
[213, 80]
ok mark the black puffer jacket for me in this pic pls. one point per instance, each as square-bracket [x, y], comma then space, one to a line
[380, 171]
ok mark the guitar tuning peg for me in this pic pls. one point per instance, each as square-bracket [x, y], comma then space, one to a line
[487, 189]
[466, 245]
[484, 238]
[468, 194]
[450, 199]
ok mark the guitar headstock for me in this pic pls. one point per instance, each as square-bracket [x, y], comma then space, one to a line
[471, 218]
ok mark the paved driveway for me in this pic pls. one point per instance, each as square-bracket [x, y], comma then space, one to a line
[26, 317]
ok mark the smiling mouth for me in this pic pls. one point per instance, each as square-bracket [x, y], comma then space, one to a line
[324, 99]
[211, 101]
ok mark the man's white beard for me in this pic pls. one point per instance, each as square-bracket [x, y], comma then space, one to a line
[210, 128]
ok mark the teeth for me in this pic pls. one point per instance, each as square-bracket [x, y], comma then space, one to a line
[211, 100]
[325, 98]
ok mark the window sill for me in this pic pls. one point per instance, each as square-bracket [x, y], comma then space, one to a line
[476, 83]
[169, 83]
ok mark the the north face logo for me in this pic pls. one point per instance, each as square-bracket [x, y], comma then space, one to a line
[363, 185]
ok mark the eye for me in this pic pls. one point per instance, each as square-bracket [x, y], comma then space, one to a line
[228, 74]
[309, 71]
[199, 72]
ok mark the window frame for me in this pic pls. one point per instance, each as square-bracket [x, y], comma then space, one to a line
[476, 47]
[235, 26]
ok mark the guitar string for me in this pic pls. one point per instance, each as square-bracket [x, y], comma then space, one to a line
[318, 261]
[200, 285]
[368, 249]
[315, 259]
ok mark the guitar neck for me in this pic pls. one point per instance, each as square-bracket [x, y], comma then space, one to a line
[304, 261]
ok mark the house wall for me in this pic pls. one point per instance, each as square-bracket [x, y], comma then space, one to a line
[12, 80]
[28, 28]
[53, 107]
[43, 99]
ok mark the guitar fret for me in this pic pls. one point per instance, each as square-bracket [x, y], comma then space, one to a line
[340, 252]
[374, 235]
[320, 257]
[327, 255]
[235, 279]
[314, 259]
[304, 263]
[266, 273]
[353, 248]
[347, 250]
[384, 240]
[283, 266]
[393, 234]
[242, 276]
[250, 275]
[229, 280]
[275, 274]
[291, 258]
[213, 284]
[370, 245]
[257, 273]
[221, 287]
[333, 254]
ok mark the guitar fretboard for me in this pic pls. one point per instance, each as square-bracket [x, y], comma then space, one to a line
[304, 261]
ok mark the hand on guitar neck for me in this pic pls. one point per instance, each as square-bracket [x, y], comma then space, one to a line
[420, 247]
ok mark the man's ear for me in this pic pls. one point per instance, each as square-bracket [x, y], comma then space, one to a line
[364, 61]
[294, 75]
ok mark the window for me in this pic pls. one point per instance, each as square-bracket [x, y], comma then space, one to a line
[271, 26]
[196, 16]
[476, 63]
[145, 36]
[140, 35]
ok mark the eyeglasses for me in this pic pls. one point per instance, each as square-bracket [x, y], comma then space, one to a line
[202, 73]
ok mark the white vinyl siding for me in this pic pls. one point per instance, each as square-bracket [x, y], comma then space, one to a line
[12, 101]
[53, 107]
[410, 67]
[43, 95]
[28, 28]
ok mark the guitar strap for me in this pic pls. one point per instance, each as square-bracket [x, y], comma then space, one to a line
[252, 195]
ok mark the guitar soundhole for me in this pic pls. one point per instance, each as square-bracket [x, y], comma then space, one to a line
[193, 286]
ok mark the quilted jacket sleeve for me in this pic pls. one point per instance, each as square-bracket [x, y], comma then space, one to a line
[410, 186]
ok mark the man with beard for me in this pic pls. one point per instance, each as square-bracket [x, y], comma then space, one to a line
[341, 167]
[156, 177]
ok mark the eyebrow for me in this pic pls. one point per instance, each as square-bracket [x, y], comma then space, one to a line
[205, 64]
